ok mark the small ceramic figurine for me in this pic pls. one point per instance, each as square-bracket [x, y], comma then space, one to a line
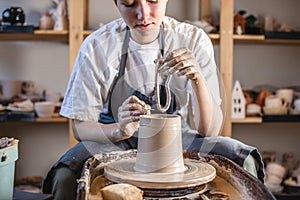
[28, 88]
[61, 21]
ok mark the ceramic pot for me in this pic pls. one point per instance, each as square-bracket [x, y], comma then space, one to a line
[287, 95]
[46, 22]
[44, 108]
[10, 88]
[159, 144]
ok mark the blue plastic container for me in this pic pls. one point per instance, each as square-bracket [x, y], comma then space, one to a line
[8, 156]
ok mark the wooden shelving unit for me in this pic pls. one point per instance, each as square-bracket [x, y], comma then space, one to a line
[260, 39]
[38, 35]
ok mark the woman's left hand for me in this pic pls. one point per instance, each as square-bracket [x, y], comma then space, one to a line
[181, 62]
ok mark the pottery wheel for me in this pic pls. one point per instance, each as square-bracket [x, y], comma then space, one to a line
[196, 173]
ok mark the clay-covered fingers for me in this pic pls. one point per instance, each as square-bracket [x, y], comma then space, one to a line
[135, 99]
[181, 62]
[129, 115]
[133, 106]
[126, 117]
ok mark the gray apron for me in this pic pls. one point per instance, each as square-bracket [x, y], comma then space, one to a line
[120, 90]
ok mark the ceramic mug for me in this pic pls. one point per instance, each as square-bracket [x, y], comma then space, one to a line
[297, 104]
[287, 95]
[273, 102]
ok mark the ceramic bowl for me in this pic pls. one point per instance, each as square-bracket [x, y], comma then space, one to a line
[275, 111]
[297, 104]
[253, 109]
[44, 108]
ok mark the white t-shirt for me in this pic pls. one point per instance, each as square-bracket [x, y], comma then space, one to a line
[98, 60]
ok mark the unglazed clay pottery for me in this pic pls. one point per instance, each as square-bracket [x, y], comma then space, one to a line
[275, 105]
[286, 95]
[46, 22]
[10, 88]
[159, 144]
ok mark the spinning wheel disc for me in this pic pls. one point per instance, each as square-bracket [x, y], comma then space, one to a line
[196, 173]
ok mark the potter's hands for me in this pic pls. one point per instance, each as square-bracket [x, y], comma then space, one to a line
[129, 115]
[181, 62]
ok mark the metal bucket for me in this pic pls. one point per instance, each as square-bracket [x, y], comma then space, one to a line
[8, 156]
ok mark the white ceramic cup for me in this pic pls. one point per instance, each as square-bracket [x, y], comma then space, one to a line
[273, 102]
[44, 108]
[253, 109]
[297, 104]
[286, 94]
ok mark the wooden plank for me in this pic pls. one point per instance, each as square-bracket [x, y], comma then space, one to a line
[226, 58]
[205, 10]
[76, 29]
[86, 13]
[77, 13]
[51, 119]
[39, 35]
[248, 120]
[249, 37]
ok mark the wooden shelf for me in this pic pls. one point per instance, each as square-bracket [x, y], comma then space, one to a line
[51, 119]
[87, 32]
[247, 120]
[249, 37]
[38, 35]
[215, 37]
[260, 39]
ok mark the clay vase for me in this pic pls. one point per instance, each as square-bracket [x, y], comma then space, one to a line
[46, 22]
[10, 88]
[159, 144]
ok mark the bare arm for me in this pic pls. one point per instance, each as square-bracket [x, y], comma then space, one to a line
[94, 131]
[208, 114]
[128, 123]
[209, 117]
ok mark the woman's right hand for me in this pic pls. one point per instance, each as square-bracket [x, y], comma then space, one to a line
[129, 115]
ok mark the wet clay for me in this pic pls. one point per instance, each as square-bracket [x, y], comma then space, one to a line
[159, 144]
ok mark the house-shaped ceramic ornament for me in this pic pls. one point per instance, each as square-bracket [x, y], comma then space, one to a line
[238, 102]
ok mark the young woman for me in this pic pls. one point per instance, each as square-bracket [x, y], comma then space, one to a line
[113, 83]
